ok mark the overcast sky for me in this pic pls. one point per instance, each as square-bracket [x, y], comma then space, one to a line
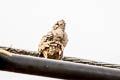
[93, 28]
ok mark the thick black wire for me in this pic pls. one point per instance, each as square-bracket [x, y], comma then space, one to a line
[70, 59]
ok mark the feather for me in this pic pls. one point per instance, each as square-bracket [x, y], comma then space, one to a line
[53, 43]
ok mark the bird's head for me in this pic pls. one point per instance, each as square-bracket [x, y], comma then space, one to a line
[59, 25]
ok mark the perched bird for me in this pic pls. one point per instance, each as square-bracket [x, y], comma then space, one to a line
[4, 52]
[54, 42]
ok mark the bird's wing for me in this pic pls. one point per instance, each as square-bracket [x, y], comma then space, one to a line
[45, 41]
[48, 37]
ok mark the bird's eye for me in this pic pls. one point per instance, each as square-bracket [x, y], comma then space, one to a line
[57, 24]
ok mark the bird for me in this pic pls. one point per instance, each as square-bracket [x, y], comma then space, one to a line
[4, 52]
[53, 43]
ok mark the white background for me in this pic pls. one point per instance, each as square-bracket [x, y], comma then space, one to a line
[93, 28]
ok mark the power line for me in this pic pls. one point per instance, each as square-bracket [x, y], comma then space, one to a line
[56, 68]
[70, 59]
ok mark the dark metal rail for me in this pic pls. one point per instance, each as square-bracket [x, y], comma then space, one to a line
[57, 68]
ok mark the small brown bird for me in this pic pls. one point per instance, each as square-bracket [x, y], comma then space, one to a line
[54, 42]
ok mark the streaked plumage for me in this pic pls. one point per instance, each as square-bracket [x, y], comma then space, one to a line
[54, 42]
